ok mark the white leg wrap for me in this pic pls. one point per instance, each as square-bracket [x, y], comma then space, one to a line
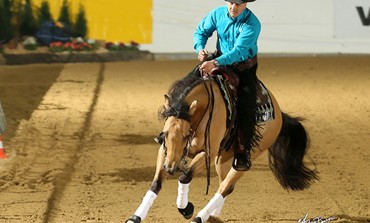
[182, 195]
[214, 203]
[145, 205]
[217, 211]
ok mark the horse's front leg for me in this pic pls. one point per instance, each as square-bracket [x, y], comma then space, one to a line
[196, 166]
[159, 177]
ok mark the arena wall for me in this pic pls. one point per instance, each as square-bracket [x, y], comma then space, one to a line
[288, 26]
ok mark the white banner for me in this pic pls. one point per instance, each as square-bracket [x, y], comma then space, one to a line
[352, 19]
[288, 26]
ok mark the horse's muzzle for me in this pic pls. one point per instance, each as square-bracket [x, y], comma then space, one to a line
[171, 169]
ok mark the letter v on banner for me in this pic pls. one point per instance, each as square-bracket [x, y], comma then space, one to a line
[352, 20]
[364, 19]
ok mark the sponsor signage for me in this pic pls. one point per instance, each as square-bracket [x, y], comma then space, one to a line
[352, 19]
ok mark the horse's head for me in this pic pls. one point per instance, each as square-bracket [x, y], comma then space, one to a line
[175, 137]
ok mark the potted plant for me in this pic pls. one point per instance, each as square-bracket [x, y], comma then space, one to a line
[30, 43]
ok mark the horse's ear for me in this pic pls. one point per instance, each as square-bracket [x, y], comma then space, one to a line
[166, 101]
[193, 106]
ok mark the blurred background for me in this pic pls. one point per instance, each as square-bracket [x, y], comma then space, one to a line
[166, 26]
[78, 145]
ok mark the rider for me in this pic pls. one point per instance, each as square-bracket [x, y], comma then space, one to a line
[237, 33]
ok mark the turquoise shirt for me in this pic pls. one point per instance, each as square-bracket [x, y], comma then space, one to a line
[236, 38]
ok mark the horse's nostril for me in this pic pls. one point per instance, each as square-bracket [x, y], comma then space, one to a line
[170, 169]
[165, 167]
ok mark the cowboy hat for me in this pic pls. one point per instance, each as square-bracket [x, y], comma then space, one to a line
[239, 1]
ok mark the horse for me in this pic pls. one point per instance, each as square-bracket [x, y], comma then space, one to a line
[195, 125]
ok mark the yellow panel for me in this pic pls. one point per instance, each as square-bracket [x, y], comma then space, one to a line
[113, 20]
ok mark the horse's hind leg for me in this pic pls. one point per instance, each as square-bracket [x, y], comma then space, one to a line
[197, 165]
[223, 165]
[218, 199]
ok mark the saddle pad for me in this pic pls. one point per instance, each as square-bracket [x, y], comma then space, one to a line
[229, 98]
[265, 108]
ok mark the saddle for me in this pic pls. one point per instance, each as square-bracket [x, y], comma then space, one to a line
[231, 78]
[228, 82]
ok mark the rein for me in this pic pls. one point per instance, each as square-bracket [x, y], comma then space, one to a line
[211, 99]
[185, 156]
[207, 141]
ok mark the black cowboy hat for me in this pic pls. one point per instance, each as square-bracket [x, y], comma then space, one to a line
[239, 1]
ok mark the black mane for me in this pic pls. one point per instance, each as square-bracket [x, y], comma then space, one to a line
[177, 93]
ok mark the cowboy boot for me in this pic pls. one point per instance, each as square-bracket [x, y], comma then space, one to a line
[242, 161]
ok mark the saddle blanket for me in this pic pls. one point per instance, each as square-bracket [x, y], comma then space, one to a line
[265, 108]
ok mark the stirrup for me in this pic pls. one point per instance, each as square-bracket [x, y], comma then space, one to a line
[242, 161]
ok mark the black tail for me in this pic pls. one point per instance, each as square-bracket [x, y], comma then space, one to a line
[287, 153]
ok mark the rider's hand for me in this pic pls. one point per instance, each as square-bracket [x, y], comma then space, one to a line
[207, 66]
[202, 55]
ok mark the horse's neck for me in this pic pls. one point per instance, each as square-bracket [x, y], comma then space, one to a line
[202, 113]
[200, 94]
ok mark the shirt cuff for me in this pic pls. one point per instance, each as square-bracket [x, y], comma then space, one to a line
[199, 48]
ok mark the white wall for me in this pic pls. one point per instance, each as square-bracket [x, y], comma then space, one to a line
[288, 26]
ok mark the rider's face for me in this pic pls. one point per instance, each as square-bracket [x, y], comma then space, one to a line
[235, 9]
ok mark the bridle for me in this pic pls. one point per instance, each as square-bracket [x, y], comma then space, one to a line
[193, 130]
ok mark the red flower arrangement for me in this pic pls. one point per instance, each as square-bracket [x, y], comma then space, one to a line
[121, 46]
[71, 46]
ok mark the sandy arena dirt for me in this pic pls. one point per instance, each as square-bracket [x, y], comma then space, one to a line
[80, 142]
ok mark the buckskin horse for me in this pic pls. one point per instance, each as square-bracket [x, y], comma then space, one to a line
[198, 128]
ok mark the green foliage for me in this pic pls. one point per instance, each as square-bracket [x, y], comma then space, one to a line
[28, 25]
[31, 47]
[6, 31]
[45, 14]
[65, 15]
[80, 26]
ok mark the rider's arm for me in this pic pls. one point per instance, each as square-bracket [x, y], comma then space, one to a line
[204, 30]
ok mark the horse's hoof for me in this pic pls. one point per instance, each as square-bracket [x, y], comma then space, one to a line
[197, 220]
[133, 219]
[188, 211]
